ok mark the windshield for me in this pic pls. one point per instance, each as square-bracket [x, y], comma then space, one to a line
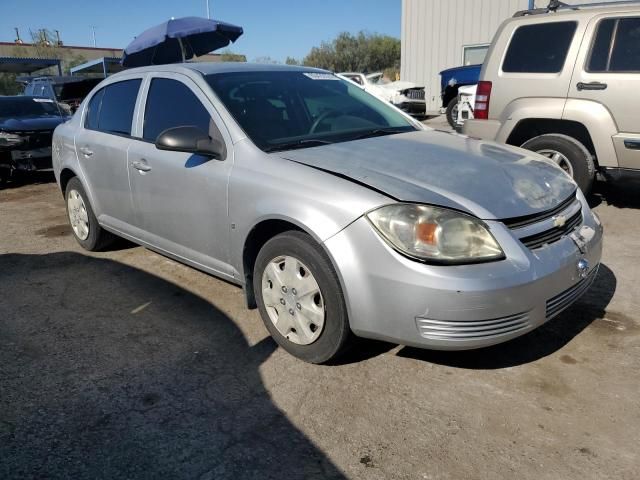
[24, 107]
[280, 110]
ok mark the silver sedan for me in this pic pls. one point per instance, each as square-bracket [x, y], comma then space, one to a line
[337, 213]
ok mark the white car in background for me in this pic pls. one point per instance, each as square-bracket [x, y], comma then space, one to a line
[407, 96]
[463, 111]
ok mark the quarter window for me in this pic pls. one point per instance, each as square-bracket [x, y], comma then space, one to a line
[616, 47]
[172, 104]
[111, 109]
[528, 51]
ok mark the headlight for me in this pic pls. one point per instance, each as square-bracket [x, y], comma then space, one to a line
[9, 139]
[435, 235]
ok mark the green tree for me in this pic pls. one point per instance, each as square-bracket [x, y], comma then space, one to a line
[8, 84]
[229, 56]
[363, 52]
[292, 61]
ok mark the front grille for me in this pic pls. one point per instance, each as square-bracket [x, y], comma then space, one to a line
[415, 94]
[519, 222]
[564, 300]
[554, 234]
[36, 139]
[460, 330]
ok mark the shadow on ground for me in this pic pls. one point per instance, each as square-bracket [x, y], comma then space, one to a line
[621, 193]
[20, 179]
[537, 344]
[110, 372]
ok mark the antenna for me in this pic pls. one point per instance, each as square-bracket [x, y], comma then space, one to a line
[93, 35]
[208, 12]
[58, 41]
[18, 39]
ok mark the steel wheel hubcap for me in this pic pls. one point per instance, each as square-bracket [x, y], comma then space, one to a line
[558, 158]
[293, 300]
[78, 216]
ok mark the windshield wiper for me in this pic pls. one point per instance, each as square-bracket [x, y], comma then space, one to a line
[379, 132]
[304, 143]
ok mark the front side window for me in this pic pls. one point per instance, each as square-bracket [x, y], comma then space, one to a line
[540, 48]
[616, 47]
[280, 110]
[170, 104]
[111, 109]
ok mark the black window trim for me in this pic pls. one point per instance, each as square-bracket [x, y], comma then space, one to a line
[564, 64]
[85, 113]
[614, 39]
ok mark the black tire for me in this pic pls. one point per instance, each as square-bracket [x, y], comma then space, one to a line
[335, 336]
[452, 113]
[98, 238]
[579, 157]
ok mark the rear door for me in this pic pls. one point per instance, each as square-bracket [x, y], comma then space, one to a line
[608, 72]
[102, 144]
[180, 198]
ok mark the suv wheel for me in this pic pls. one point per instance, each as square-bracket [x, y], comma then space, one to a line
[452, 113]
[300, 299]
[84, 224]
[571, 155]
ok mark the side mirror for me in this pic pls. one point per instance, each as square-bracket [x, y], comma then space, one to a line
[190, 139]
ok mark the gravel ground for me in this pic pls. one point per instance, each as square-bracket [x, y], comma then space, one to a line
[125, 364]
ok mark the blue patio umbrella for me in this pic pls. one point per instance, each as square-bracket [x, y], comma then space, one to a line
[178, 40]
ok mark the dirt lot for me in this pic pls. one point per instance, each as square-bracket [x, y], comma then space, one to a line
[125, 364]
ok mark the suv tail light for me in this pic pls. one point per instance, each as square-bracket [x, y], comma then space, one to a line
[483, 97]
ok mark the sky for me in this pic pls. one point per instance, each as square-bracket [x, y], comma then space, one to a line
[273, 28]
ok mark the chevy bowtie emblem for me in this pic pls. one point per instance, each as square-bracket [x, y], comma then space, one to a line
[559, 221]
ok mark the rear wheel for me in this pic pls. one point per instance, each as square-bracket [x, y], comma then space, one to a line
[452, 112]
[84, 224]
[300, 299]
[569, 154]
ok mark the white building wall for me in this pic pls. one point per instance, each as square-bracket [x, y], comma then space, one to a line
[435, 31]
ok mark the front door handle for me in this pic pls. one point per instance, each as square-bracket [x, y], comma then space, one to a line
[141, 165]
[591, 86]
[86, 151]
[632, 144]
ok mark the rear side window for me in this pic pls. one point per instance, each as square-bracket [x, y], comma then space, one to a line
[172, 104]
[539, 48]
[118, 104]
[616, 47]
[93, 111]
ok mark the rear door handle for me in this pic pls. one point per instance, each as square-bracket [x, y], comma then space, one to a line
[591, 86]
[86, 151]
[141, 165]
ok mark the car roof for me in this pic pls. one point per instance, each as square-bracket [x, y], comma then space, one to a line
[584, 11]
[208, 68]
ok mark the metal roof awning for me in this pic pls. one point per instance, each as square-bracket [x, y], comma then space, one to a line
[27, 65]
[103, 66]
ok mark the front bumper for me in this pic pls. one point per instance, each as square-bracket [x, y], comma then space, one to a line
[392, 298]
[412, 108]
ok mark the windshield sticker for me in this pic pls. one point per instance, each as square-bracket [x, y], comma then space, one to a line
[321, 76]
[43, 100]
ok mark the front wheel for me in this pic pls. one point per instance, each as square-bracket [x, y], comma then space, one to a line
[569, 154]
[299, 297]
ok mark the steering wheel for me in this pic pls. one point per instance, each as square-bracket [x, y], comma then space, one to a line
[323, 117]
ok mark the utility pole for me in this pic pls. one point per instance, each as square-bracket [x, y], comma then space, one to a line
[208, 13]
[93, 34]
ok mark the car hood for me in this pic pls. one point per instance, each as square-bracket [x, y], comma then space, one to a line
[399, 86]
[485, 179]
[30, 123]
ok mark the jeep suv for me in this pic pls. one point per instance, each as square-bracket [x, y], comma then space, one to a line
[564, 81]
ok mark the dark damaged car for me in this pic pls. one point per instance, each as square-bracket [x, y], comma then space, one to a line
[26, 128]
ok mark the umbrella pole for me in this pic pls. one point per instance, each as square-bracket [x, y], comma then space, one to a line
[181, 49]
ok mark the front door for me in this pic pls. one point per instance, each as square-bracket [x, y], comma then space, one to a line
[608, 72]
[180, 199]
